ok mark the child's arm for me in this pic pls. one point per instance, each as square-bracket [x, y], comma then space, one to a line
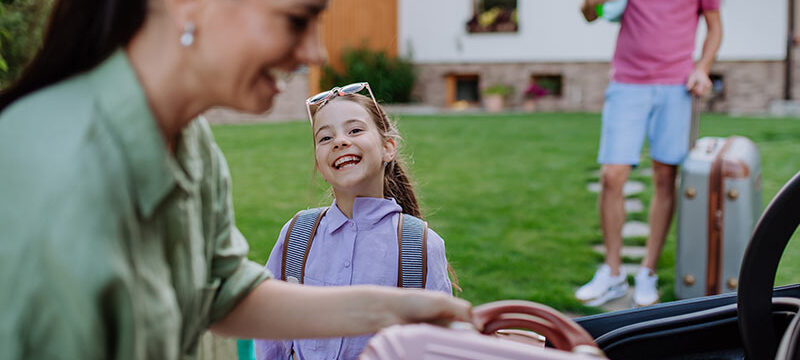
[278, 310]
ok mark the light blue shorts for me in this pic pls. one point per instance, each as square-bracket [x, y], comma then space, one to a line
[662, 112]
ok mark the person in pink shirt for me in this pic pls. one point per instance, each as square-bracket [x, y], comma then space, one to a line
[653, 79]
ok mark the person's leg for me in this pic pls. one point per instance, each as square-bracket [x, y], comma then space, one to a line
[625, 122]
[669, 143]
[662, 208]
[668, 134]
[611, 207]
[625, 114]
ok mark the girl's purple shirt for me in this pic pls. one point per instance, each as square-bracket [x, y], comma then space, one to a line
[357, 251]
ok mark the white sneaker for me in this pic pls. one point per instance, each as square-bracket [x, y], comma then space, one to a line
[645, 292]
[603, 287]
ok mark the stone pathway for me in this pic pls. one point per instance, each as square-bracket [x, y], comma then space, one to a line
[633, 206]
[631, 255]
[631, 188]
[634, 253]
[635, 229]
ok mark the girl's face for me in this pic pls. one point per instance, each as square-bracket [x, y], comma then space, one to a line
[349, 150]
[243, 46]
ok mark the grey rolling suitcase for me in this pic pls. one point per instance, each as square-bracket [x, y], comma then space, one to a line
[718, 207]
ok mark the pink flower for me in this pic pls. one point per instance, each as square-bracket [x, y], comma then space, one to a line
[534, 91]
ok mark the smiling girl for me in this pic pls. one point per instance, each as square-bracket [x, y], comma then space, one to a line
[355, 240]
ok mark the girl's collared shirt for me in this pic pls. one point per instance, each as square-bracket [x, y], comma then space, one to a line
[357, 251]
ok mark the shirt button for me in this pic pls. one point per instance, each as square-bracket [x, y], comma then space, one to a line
[347, 263]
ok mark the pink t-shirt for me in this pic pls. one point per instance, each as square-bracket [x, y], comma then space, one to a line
[656, 41]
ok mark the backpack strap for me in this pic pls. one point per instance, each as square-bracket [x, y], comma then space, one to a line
[299, 237]
[412, 269]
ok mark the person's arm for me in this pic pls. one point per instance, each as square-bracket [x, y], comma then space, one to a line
[588, 9]
[699, 83]
[277, 310]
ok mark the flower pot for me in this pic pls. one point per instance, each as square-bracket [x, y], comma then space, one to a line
[493, 103]
[529, 105]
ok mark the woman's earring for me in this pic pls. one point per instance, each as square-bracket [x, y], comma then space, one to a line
[187, 38]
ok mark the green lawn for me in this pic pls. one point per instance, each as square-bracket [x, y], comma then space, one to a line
[506, 192]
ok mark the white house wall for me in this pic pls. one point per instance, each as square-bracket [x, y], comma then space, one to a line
[434, 31]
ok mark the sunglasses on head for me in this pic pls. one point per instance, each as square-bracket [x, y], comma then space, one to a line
[325, 96]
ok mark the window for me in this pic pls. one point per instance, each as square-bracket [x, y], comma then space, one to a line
[493, 16]
[717, 86]
[716, 101]
[462, 90]
[552, 83]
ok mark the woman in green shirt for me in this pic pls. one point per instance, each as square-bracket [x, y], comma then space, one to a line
[115, 203]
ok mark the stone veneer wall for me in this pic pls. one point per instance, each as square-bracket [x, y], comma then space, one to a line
[749, 85]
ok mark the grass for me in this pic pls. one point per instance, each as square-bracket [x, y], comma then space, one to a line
[506, 192]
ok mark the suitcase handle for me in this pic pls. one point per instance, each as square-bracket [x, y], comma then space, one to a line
[559, 330]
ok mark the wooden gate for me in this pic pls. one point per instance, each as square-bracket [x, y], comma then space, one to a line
[352, 23]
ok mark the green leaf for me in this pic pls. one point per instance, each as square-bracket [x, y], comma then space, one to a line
[3, 65]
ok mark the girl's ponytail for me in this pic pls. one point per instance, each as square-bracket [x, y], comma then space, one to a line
[397, 185]
[80, 35]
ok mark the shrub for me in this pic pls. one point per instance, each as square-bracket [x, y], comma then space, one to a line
[390, 78]
[21, 27]
[498, 89]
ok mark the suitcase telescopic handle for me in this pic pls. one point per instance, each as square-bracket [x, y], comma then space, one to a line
[559, 330]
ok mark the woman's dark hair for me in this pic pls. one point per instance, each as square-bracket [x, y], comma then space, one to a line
[396, 182]
[80, 34]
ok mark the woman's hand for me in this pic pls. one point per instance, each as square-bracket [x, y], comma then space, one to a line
[414, 306]
[277, 310]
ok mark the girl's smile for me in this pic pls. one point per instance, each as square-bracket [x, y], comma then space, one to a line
[346, 161]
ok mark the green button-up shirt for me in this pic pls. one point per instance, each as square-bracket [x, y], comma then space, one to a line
[112, 247]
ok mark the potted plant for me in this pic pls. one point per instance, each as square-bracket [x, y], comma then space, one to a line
[532, 93]
[496, 19]
[494, 97]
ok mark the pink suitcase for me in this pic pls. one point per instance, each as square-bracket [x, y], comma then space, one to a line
[498, 320]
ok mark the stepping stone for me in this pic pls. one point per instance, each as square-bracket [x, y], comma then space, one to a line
[631, 269]
[645, 171]
[635, 229]
[633, 188]
[633, 206]
[632, 252]
[630, 188]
